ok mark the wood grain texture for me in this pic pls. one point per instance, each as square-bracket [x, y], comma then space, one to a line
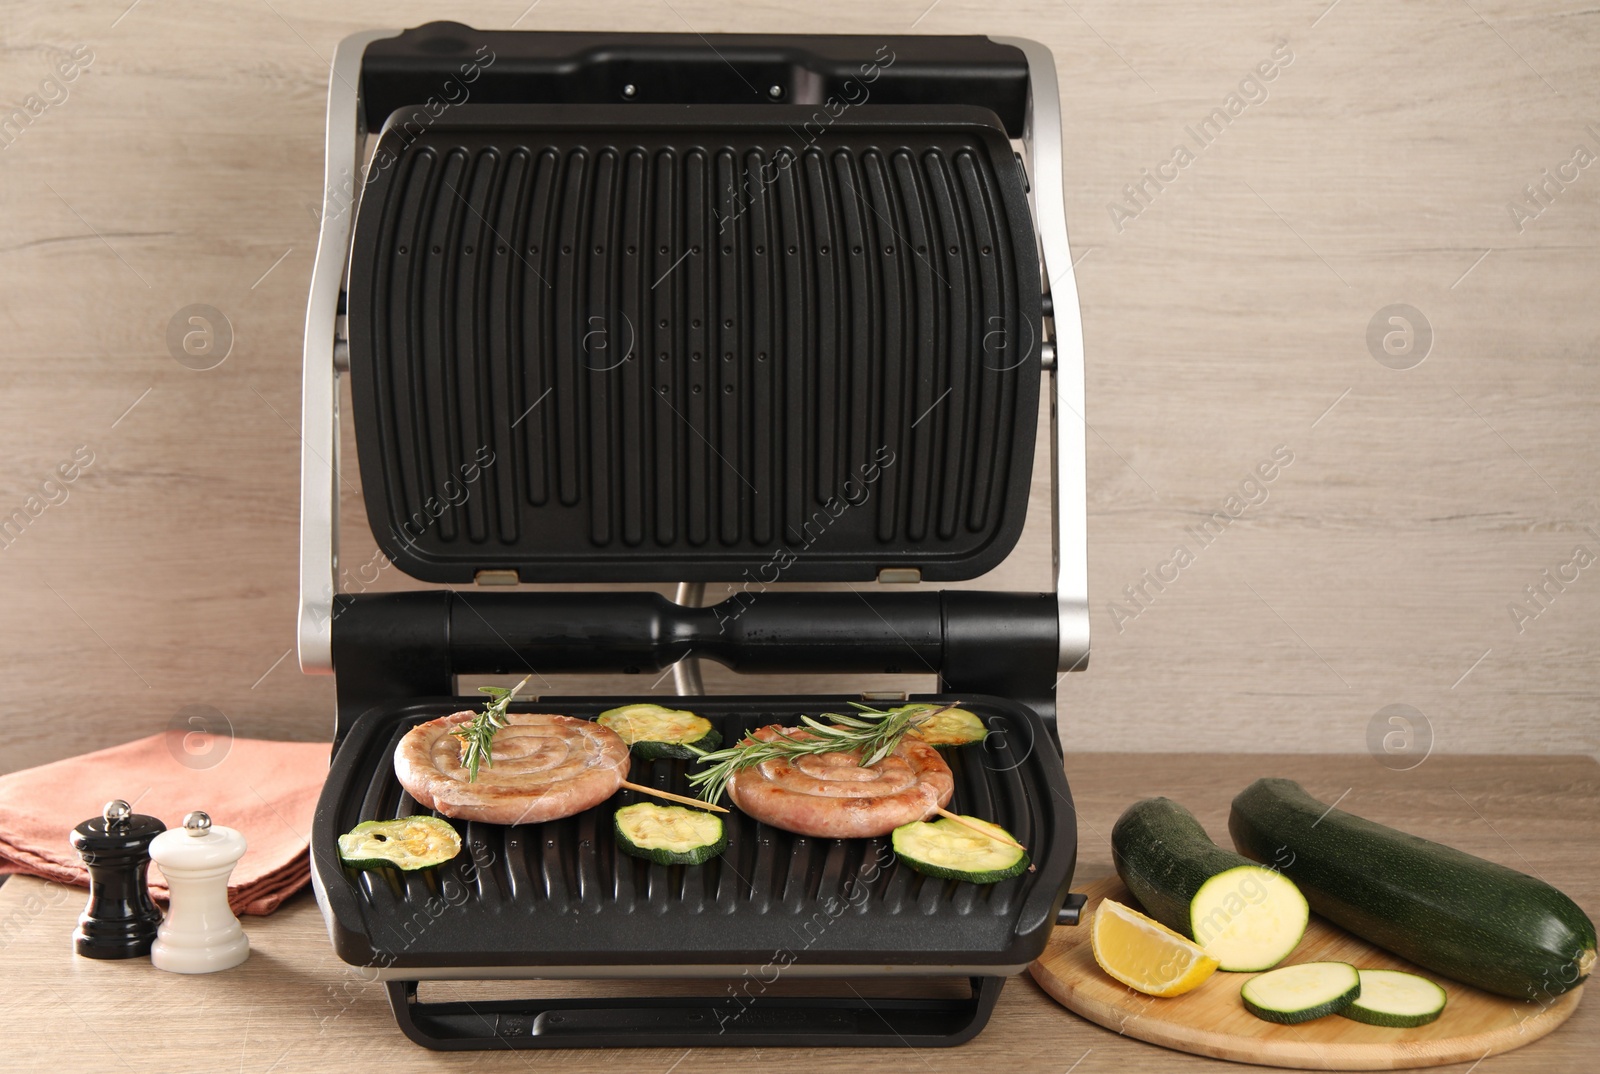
[293, 1007]
[1211, 1020]
[1228, 317]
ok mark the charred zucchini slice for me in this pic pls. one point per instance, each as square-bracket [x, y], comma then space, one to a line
[669, 835]
[406, 843]
[952, 851]
[952, 727]
[653, 731]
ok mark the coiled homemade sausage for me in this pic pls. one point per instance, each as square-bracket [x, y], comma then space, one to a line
[545, 767]
[831, 795]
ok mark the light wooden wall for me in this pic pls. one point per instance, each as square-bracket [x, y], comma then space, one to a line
[1228, 317]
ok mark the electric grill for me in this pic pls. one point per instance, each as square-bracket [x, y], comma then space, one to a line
[671, 308]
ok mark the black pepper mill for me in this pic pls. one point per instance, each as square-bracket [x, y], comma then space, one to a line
[120, 921]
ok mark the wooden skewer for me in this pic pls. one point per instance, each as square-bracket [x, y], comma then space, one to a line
[965, 823]
[669, 796]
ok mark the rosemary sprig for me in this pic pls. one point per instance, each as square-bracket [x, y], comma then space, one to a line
[875, 732]
[477, 735]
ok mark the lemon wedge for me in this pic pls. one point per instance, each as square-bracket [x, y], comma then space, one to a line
[1144, 954]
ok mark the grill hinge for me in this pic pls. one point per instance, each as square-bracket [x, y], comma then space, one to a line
[341, 344]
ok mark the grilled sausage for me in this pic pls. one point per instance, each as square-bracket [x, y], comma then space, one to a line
[545, 767]
[830, 795]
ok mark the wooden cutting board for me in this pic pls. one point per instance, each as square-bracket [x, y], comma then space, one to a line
[1212, 1021]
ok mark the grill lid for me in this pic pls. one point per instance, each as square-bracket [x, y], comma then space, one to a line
[708, 342]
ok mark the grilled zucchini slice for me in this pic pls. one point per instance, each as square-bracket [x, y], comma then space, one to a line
[952, 727]
[669, 835]
[654, 731]
[951, 851]
[406, 843]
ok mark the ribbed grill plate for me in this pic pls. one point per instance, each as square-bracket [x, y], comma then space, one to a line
[648, 343]
[560, 894]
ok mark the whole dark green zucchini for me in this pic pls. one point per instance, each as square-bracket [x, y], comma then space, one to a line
[1469, 919]
[1245, 916]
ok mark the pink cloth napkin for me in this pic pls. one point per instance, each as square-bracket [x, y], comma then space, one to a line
[267, 791]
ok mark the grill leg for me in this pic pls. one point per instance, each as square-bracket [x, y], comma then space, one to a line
[698, 1022]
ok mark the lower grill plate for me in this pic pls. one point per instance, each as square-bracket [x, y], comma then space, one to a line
[535, 900]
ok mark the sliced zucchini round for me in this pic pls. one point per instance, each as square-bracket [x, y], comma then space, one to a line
[1248, 917]
[1290, 995]
[406, 843]
[669, 835]
[654, 731]
[952, 727]
[952, 851]
[1397, 1000]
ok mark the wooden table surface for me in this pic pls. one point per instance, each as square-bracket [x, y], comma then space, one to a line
[293, 1007]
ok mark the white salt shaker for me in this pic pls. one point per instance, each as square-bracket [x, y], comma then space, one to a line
[200, 934]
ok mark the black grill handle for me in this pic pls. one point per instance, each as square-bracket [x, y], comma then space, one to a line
[1071, 911]
[743, 1019]
[443, 64]
[397, 646]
